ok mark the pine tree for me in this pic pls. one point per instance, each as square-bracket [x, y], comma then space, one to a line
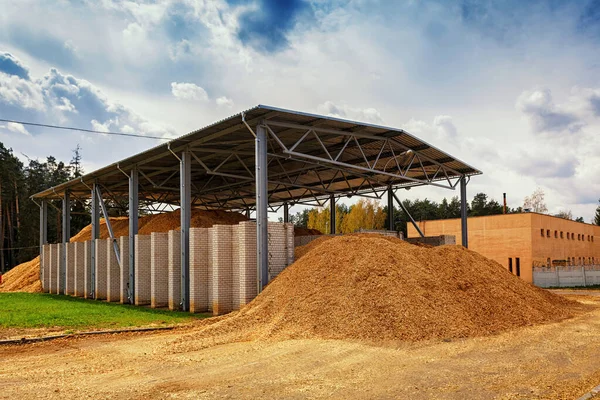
[597, 216]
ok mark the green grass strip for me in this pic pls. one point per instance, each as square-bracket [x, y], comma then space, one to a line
[42, 310]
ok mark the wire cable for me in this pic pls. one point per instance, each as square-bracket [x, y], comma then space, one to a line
[84, 130]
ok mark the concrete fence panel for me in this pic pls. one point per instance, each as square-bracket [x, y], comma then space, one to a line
[124, 270]
[87, 269]
[45, 258]
[159, 269]
[113, 274]
[235, 267]
[101, 288]
[566, 276]
[246, 265]
[210, 270]
[56, 275]
[70, 269]
[79, 269]
[222, 278]
[143, 266]
[174, 269]
[198, 270]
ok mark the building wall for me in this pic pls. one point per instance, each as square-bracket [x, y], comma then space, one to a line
[498, 237]
[561, 239]
[512, 236]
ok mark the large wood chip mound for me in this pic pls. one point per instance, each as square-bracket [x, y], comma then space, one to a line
[376, 288]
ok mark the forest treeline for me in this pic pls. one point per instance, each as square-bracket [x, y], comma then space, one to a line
[19, 215]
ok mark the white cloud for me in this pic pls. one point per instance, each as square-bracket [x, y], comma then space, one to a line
[224, 102]
[188, 91]
[344, 111]
[20, 92]
[15, 127]
[441, 130]
[545, 116]
[445, 127]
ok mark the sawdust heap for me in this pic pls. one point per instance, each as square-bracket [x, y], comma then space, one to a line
[23, 278]
[302, 250]
[26, 277]
[376, 288]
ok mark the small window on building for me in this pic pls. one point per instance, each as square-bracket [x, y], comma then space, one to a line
[578, 236]
[561, 235]
[518, 266]
[568, 235]
[555, 234]
[568, 260]
[548, 233]
[510, 265]
[542, 232]
[549, 262]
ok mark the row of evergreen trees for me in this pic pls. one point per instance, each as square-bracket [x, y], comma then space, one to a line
[19, 216]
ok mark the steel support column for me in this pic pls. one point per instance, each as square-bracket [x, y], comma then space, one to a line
[95, 235]
[133, 230]
[463, 212]
[66, 236]
[332, 214]
[262, 244]
[185, 191]
[390, 204]
[286, 212]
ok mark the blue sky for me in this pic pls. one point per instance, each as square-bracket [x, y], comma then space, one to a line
[511, 87]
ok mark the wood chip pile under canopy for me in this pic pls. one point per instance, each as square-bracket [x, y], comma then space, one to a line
[375, 288]
[26, 277]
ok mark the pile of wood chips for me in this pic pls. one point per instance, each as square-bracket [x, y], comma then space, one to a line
[373, 288]
[26, 277]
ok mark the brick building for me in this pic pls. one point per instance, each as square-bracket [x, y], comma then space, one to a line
[521, 241]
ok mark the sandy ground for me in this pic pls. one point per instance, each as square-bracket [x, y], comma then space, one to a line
[553, 361]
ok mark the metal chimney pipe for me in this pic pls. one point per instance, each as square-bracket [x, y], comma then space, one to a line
[504, 208]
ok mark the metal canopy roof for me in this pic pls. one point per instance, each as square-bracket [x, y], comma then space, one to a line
[310, 158]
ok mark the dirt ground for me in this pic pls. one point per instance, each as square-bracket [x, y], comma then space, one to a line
[552, 361]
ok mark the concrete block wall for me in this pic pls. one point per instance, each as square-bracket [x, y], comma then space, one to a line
[281, 247]
[79, 259]
[159, 269]
[124, 269]
[174, 269]
[87, 270]
[113, 274]
[101, 270]
[199, 270]
[222, 273]
[46, 268]
[247, 286]
[70, 269]
[143, 268]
